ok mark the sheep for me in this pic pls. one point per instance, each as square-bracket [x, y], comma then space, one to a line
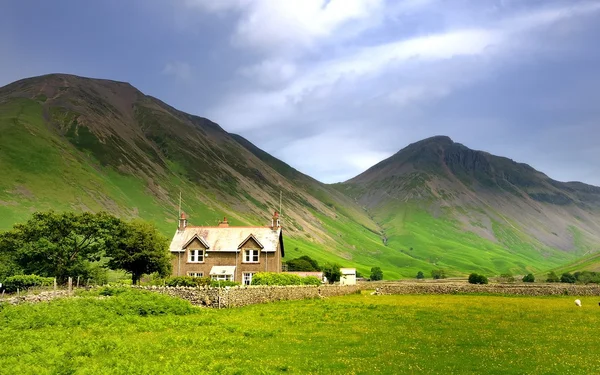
[578, 302]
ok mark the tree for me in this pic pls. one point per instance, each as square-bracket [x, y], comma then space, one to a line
[304, 263]
[529, 278]
[552, 277]
[507, 278]
[438, 274]
[376, 274]
[477, 279]
[420, 275]
[58, 245]
[138, 248]
[332, 273]
[567, 278]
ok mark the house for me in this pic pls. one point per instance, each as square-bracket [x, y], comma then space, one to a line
[226, 252]
[348, 276]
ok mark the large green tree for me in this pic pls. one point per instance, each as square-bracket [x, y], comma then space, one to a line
[376, 274]
[58, 244]
[138, 248]
[332, 273]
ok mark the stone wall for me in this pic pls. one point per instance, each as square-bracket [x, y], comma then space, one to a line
[249, 295]
[509, 289]
[33, 298]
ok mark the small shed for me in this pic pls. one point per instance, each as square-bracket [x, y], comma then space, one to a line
[348, 276]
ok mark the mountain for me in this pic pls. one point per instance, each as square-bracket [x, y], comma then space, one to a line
[74, 143]
[460, 208]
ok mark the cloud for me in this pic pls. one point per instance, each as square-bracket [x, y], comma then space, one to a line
[179, 70]
[386, 70]
[276, 26]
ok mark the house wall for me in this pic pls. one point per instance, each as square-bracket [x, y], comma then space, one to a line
[348, 279]
[268, 262]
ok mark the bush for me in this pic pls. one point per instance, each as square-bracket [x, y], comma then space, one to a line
[271, 278]
[567, 278]
[23, 282]
[188, 281]
[587, 277]
[507, 278]
[376, 274]
[332, 273]
[304, 263]
[552, 277]
[477, 279]
[420, 275]
[438, 274]
[529, 278]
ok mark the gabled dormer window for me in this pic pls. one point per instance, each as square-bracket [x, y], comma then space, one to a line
[196, 256]
[251, 256]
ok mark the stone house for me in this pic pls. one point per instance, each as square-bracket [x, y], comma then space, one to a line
[226, 252]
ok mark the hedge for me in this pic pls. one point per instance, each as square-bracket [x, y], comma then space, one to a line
[271, 278]
[24, 282]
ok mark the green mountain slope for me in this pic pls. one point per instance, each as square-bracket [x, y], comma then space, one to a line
[73, 143]
[463, 209]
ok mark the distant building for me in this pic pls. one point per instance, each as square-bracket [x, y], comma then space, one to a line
[348, 276]
[225, 252]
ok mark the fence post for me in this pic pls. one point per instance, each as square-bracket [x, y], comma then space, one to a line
[77, 282]
[55, 287]
[70, 290]
[18, 293]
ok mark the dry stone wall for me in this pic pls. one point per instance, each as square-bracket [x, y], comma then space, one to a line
[249, 295]
[508, 289]
[34, 298]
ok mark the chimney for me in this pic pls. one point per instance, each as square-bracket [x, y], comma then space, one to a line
[182, 222]
[224, 223]
[275, 223]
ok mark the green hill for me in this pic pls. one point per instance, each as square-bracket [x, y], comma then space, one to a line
[73, 143]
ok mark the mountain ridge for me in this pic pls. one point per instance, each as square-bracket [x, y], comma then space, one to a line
[74, 143]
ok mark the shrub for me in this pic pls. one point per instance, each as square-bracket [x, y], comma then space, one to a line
[332, 273]
[271, 278]
[552, 277]
[23, 282]
[438, 274]
[420, 275]
[507, 278]
[187, 281]
[529, 278]
[477, 279]
[304, 263]
[376, 274]
[567, 278]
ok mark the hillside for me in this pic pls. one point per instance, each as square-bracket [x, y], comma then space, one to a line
[73, 143]
[460, 208]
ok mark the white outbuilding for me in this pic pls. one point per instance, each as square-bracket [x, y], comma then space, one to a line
[348, 276]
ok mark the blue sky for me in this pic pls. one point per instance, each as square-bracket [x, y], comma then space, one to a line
[332, 87]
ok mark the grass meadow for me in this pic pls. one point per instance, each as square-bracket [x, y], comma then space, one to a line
[136, 332]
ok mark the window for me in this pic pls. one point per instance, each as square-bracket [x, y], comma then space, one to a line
[196, 274]
[251, 256]
[222, 277]
[196, 256]
[248, 278]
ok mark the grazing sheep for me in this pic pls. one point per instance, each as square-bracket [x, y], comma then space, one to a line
[578, 302]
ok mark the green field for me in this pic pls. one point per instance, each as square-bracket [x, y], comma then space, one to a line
[141, 333]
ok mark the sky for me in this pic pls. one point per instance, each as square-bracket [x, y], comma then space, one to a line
[334, 86]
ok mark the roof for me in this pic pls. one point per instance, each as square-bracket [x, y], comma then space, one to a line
[348, 271]
[228, 238]
[222, 270]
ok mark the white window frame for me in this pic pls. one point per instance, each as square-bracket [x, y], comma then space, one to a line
[250, 255]
[247, 278]
[222, 277]
[196, 274]
[195, 254]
